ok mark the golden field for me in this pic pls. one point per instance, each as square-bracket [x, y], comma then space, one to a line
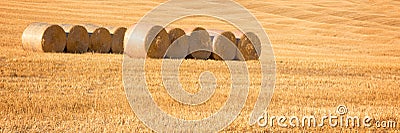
[328, 53]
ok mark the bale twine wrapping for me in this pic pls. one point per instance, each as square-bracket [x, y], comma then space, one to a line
[117, 36]
[250, 47]
[146, 40]
[43, 37]
[224, 46]
[179, 44]
[77, 38]
[100, 39]
[200, 44]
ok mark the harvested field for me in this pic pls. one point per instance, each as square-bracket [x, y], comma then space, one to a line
[328, 53]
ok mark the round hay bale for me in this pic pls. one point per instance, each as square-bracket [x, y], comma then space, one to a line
[77, 38]
[224, 46]
[179, 44]
[100, 39]
[250, 47]
[117, 35]
[43, 37]
[146, 40]
[200, 44]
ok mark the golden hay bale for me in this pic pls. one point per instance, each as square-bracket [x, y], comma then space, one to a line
[157, 42]
[100, 39]
[200, 44]
[77, 38]
[117, 35]
[224, 46]
[43, 37]
[146, 40]
[179, 44]
[250, 47]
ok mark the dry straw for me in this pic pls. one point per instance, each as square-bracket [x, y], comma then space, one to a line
[224, 46]
[179, 44]
[200, 45]
[100, 39]
[43, 37]
[249, 47]
[77, 38]
[117, 35]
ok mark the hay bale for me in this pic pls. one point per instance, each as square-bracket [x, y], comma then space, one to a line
[200, 44]
[224, 46]
[43, 37]
[77, 38]
[100, 39]
[157, 42]
[179, 44]
[250, 47]
[117, 36]
[146, 40]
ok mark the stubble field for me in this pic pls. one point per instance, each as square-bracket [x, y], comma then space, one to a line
[328, 53]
